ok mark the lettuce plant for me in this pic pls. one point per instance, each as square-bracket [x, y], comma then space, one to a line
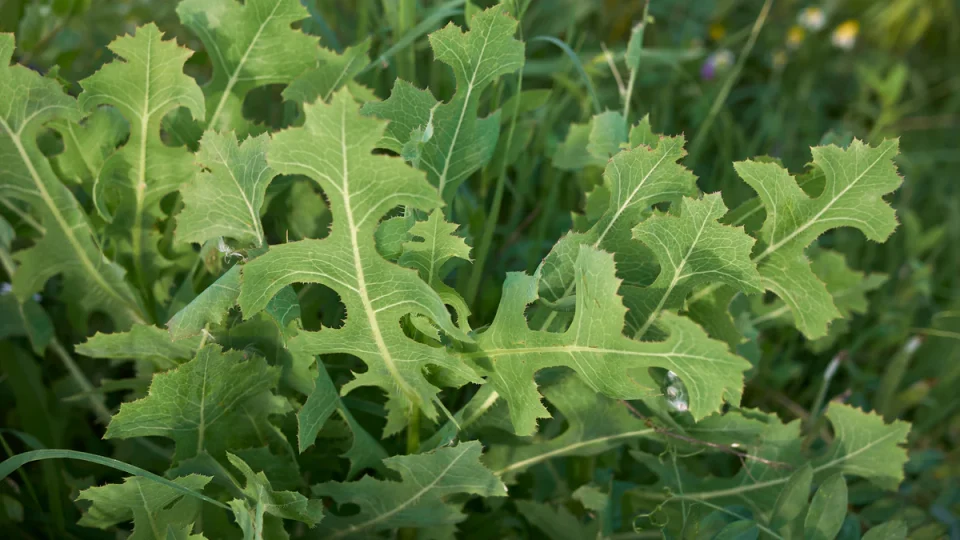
[190, 228]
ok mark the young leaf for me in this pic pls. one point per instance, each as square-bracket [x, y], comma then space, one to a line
[91, 282]
[153, 507]
[250, 44]
[334, 148]
[595, 347]
[226, 198]
[145, 83]
[461, 143]
[855, 181]
[140, 342]
[634, 180]
[429, 257]
[693, 249]
[827, 510]
[420, 499]
[214, 402]
[263, 499]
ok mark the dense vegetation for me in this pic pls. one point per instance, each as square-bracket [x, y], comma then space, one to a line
[425, 269]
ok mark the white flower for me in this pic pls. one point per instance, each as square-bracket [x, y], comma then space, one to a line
[812, 18]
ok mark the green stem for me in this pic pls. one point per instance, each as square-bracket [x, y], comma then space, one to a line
[406, 20]
[828, 374]
[892, 376]
[633, 72]
[490, 224]
[734, 76]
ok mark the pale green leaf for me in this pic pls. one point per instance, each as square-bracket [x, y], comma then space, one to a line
[226, 199]
[855, 181]
[91, 282]
[144, 83]
[595, 347]
[608, 130]
[87, 144]
[251, 44]
[334, 72]
[422, 497]
[153, 507]
[334, 148]
[459, 143]
[140, 342]
[694, 249]
[209, 307]
[216, 401]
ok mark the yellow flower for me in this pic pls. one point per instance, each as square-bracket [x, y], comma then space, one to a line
[795, 36]
[717, 31]
[845, 36]
[812, 18]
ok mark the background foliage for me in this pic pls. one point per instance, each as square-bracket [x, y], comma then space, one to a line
[242, 434]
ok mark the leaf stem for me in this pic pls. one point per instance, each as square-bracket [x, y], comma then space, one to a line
[633, 72]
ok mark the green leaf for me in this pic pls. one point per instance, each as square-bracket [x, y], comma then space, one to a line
[144, 83]
[634, 180]
[863, 446]
[262, 498]
[694, 249]
[27, 319]
[362, 188]
[364, 453]
[792, 501]
[855, 181]
[209, 307]
[91, 282]
[827, 510]
[153, 507]
[225, 199]
[461, 143]
[251, 44]
[425, 496]
[608, 130]
[739, 530]
[580, 406]
[334, 72]
[140, 342]
[557, 522]
[509, 353]
[438, 246]
[214, 402]
[87, 144]
[892, 530]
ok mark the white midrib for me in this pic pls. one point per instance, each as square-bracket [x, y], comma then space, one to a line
[629, 200]
[411, 500]
[361, 279]
[141, 187]
[235, 76]
[150, 516]
[774, 247]
[463, 113]
[202, 426]
[815, 218]
[65, 227]
[673, 283]
[255, 219]
[569, 349]
[572, 447]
